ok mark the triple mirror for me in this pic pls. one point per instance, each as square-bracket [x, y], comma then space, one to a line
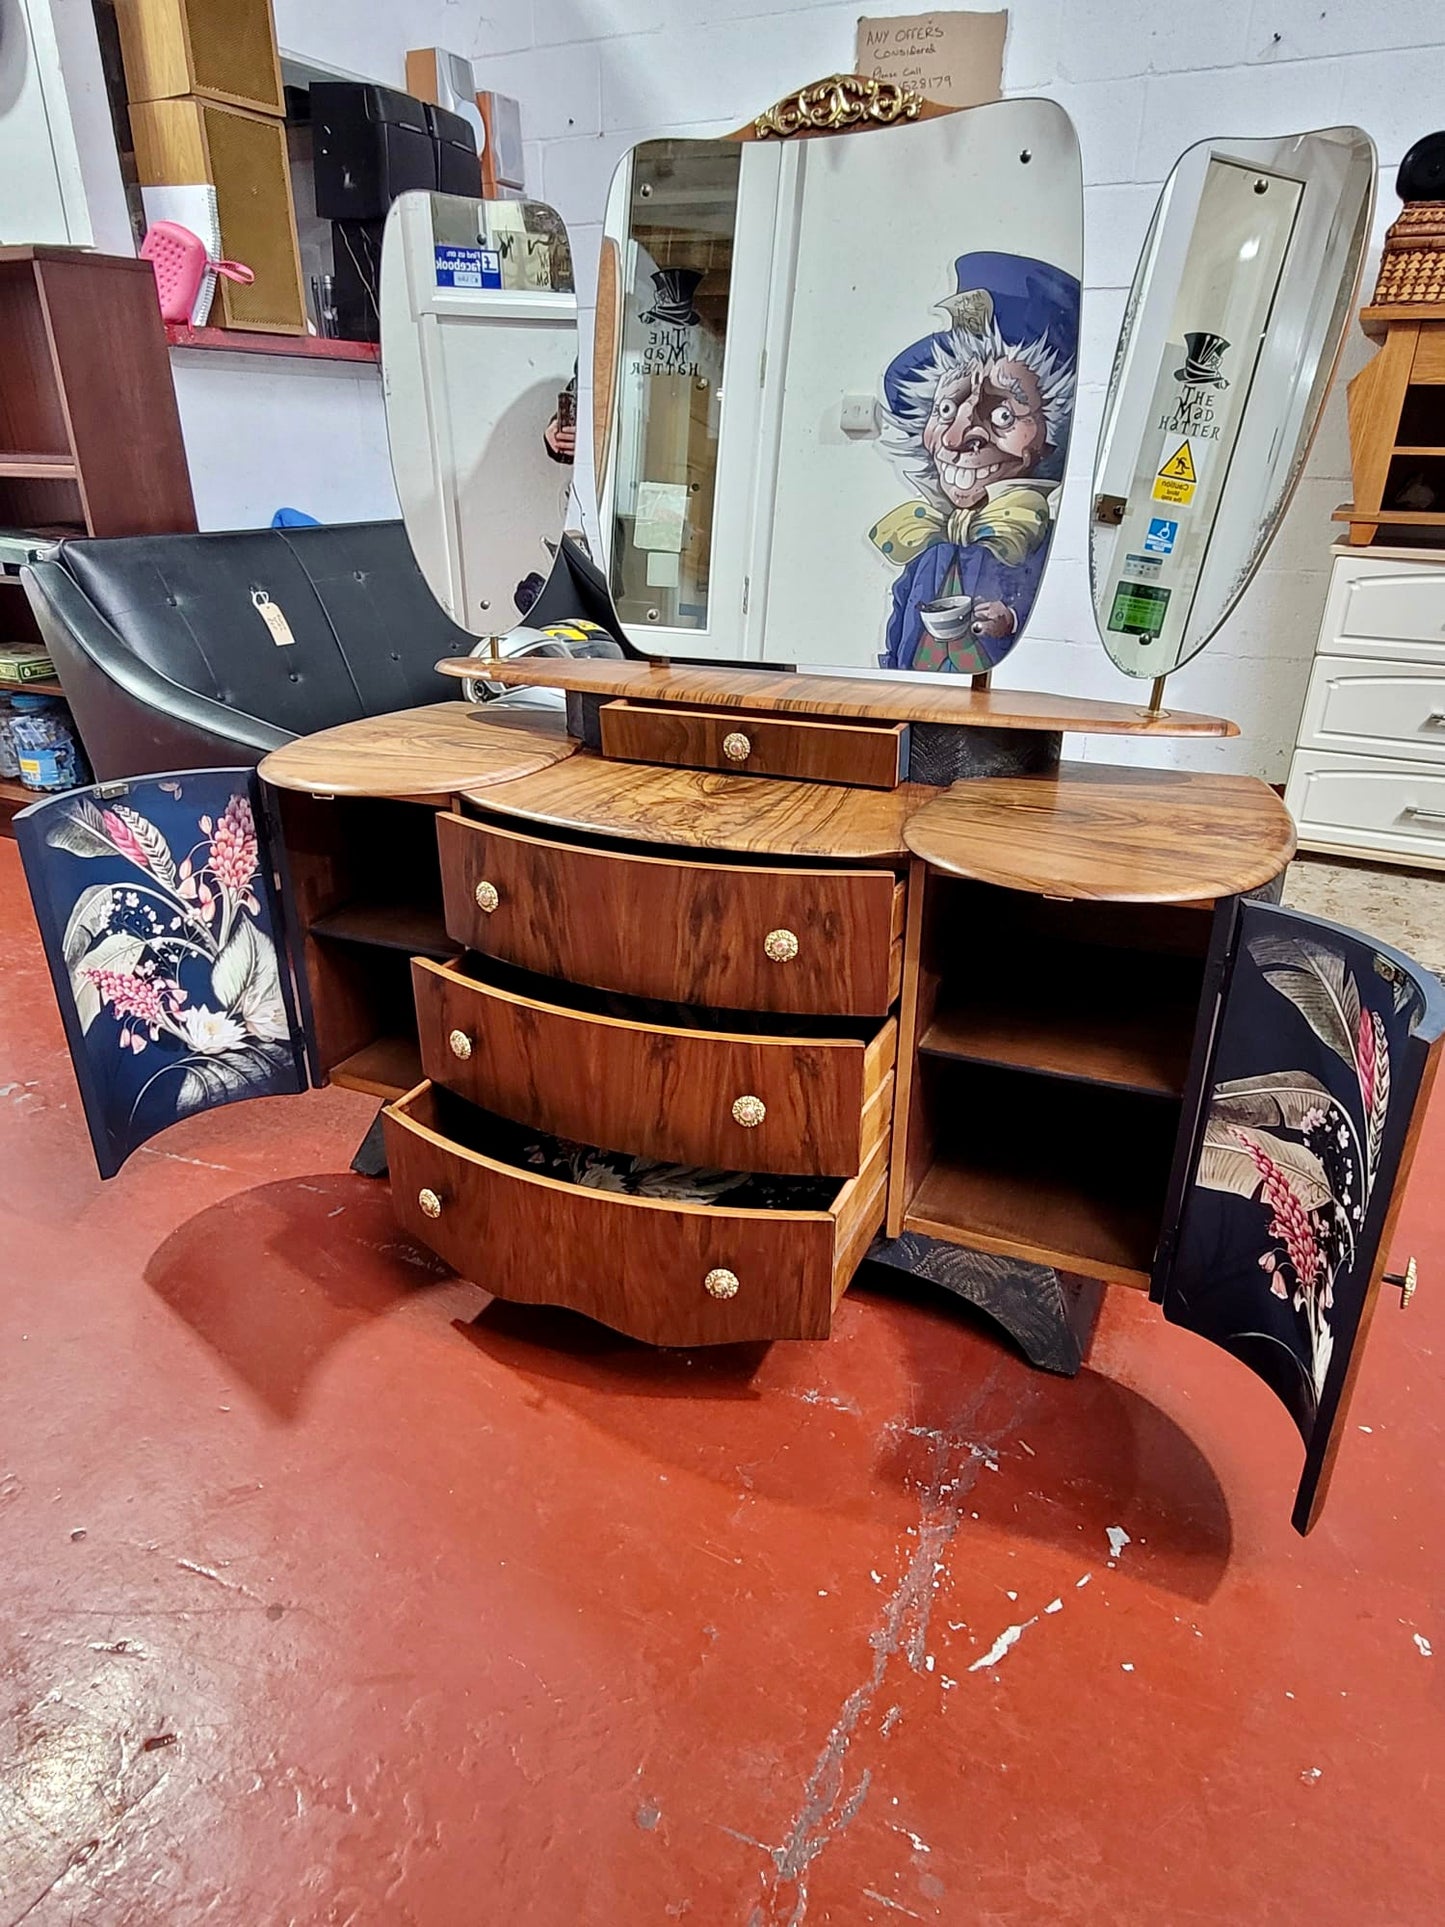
[834, 381]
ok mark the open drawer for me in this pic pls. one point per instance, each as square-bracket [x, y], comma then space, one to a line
[662, 1270]
[688, 1086]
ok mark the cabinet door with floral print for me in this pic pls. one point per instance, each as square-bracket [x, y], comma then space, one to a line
[1321, 1058]
[162, 929]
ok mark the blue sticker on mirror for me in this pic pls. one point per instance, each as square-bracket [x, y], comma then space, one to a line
[1162, 535]
[468, 267]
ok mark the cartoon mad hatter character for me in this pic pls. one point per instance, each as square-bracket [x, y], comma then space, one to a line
[978, 415]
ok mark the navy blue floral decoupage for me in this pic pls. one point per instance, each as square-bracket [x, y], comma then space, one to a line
[159, 914]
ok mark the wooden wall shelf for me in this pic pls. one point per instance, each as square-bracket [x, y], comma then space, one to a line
[234, 341]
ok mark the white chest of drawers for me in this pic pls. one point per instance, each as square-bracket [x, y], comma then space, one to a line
[1368, 773]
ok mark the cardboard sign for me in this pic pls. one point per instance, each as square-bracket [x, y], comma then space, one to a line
[954, 58]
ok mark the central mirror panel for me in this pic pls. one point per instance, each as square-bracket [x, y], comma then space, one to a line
[479, 362]
[836, 381]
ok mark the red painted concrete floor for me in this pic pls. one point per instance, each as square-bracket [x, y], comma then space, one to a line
[335, 1593]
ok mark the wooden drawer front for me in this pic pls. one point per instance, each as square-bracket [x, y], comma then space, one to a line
[1374, 607]
[1365, 803]
[690, 933]
[867, 756]
[636, 1264]
[1394, 709]
[683, 1096]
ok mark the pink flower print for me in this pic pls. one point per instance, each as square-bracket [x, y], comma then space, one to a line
[130, 996]
[233, 853]
[1290, 1222]
[125, 839]
[143, 1003]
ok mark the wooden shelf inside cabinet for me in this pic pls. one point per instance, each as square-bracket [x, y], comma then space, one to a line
[1133, 1040]
[387, 1067]
[1047, 1216]
[1063, 1174]
[418, 929]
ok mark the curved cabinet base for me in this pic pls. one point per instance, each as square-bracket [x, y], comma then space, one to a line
[1050, 1315]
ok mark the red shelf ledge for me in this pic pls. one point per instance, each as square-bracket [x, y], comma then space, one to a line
[236, 341]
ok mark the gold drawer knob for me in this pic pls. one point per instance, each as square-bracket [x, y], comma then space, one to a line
[1405, 1282]
[721, 1283]
[431, 1204]
[737, 747]
[749, 1112]
[781, 945]
[460, 1045]
[487, 897]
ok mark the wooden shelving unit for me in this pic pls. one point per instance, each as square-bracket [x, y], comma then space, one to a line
[90, 438]
[1397, 419]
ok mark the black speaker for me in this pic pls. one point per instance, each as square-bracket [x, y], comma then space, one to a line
[370, 144]
[356, 284]
[1422, 172]
[459, 169]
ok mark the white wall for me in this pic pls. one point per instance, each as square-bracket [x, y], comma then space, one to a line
[1142, 80]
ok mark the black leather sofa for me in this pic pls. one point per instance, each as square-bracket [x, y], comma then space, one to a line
[168, 662]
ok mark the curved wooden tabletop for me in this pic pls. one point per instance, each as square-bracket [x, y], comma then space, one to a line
[712, 811]
[1115, 834]
[885, 698]
[437, 750]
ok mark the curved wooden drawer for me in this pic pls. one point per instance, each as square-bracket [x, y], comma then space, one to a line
[691, 933]
[685, 1096]
[636, 1264]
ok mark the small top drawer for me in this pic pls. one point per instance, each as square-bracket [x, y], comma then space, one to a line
[732, 937]
[865, 755]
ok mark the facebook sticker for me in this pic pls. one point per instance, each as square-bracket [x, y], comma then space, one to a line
[1161, 537]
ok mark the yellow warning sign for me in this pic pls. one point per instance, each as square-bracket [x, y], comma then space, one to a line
[1177, 478]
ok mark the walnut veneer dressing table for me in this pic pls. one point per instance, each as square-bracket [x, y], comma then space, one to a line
[916, 1007]
[691, 992]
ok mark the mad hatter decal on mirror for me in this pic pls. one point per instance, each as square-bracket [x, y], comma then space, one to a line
[853, 456]
[977, 416]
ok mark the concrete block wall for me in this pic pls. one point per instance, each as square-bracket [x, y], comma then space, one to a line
[1142, 81]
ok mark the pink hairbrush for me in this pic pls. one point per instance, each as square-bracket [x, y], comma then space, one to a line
[181, 262]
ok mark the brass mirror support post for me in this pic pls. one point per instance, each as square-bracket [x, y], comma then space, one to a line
[1156, 696]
